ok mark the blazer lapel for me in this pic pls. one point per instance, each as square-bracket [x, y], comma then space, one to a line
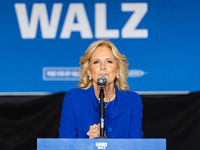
[93, 98]
[118, 108]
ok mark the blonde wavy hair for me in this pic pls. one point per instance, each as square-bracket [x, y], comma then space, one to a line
[122, 63]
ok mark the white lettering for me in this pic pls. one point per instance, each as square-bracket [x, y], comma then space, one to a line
[82, 25]
[51, 73]
[129, 30]
[101, 145]
[28, 29]
[101, 30]
[49, 27]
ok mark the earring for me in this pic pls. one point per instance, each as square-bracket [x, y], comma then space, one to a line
[117, 77]
[90, 78]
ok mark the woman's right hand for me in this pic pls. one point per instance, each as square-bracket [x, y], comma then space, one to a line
[94, 131]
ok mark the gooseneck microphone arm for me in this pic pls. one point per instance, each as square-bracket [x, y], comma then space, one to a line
[101, 112]
[101, 81]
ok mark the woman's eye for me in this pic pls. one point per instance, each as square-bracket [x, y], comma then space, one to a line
[96, 62]
[109, 61]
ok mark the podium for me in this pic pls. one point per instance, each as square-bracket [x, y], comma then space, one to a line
[97, 144]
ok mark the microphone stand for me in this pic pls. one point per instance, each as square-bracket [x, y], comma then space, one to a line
[102, 112]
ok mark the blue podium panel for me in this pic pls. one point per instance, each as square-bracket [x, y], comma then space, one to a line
[95, 144]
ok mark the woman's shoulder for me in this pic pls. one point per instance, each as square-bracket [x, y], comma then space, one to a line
[74, 90]
[75, 93]
[130, 96]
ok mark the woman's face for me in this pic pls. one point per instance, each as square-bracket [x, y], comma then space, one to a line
[102, 62]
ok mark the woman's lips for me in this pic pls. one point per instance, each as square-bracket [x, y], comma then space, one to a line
[103, 74]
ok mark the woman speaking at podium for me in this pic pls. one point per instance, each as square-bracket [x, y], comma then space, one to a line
[123, 108]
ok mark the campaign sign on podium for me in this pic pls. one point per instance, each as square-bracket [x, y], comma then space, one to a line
[95, 144]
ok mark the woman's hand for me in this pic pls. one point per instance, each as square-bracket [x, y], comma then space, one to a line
[94, 131]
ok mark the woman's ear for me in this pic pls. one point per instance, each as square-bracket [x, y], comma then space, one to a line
[89, 73]
[117, 71]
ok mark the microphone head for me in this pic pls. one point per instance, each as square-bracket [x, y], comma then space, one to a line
[102, 80]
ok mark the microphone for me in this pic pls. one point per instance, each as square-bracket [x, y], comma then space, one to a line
[102, 80]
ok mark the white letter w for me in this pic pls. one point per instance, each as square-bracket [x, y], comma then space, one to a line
[39, 13]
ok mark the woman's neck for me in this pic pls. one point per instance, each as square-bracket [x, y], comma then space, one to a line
[109, 92]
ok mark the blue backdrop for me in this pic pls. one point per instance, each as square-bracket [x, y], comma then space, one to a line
[41, 42]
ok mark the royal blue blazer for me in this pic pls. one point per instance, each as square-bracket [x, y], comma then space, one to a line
[80, 109]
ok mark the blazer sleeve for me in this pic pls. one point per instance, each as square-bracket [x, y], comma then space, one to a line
[68, 125]
[136, 118]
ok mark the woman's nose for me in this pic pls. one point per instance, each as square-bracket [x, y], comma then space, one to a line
[103, 67]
